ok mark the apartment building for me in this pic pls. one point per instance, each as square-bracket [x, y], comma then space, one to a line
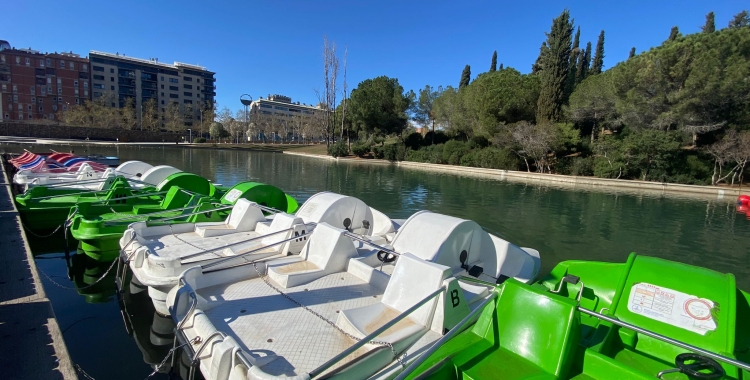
[192, 87]
[40, 86]
[277, 114]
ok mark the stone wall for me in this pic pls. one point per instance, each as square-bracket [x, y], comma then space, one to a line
[55, 131]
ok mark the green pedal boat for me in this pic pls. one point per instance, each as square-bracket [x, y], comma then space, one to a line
[45, 208]
[647, 318]
[98, 227]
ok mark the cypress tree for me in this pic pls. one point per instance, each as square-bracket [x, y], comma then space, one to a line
[674, 34]
[493, 65]
[465, 77]
[598, 64]
[537, 66]
[740, 20]
[574, 52]
[584, 60]
[632, 53]
[501, 66]
[710, 26]
[555, 63]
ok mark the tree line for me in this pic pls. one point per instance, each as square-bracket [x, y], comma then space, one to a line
[679, 112]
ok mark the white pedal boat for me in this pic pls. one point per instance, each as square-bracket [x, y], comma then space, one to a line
[158, 255]
[337, 311]
[139, 174]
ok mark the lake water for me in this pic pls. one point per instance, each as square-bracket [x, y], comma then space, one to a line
[111, 343]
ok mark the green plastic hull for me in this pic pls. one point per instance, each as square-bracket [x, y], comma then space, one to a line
[531, 332]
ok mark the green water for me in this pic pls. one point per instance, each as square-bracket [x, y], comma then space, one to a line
[562, 224]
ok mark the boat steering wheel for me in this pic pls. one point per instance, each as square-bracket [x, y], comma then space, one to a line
[697, 364]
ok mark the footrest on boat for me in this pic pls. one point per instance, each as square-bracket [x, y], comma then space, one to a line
[244, 217]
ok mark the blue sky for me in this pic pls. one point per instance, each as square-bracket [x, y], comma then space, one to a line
[263, 47]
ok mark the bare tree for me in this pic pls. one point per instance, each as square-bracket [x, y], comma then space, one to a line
[173, 121]
[536, 142]
[733, 148]
[328, 98]
[343, 103]
[127, 114]
[150, 116]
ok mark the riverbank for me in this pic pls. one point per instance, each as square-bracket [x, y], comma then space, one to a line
[717, 192]
[34, 342]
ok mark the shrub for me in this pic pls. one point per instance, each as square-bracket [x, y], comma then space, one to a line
[413, 141]
[491, 158]
[439, 137]
[453, 151]
[199, 140]
[582, 166]
[478, 142]
[432, 154]
[378, 152]
[394, 152]
[339, 149]
[360, 149]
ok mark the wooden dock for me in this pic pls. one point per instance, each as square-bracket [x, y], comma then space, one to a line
[33, 346]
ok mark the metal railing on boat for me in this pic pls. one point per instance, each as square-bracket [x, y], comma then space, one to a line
[147, 215]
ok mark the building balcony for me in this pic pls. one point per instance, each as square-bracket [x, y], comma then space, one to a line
[128, 74]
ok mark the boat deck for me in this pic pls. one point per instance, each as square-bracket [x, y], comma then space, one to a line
[183, 244]
[265, 322]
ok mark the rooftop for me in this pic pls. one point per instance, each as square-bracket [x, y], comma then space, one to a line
[151, 61]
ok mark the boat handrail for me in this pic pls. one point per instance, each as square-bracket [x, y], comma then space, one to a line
[74, 183]
[192, 213]
[71, 194]
[370, 243]
[367, 339]
[455, 330]
[666, 339]
[218, 262]
[136, 216]
[130, 197]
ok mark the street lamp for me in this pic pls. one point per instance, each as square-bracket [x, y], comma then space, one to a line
[246, 100]
[190, 139]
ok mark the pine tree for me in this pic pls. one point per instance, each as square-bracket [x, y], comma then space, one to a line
[710, 26]
[674, 34]
[493, 65]
[584, 60]
[598, 64]
[555, 63]
[501, 66]
[740, 20]
[632, 53]
[573, 60]
[465, 77]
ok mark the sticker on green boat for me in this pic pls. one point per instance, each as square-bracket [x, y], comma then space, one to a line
[672, 307]
[232, 195]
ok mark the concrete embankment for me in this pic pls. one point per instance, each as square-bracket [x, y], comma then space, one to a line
[33, 346]
[566, 181]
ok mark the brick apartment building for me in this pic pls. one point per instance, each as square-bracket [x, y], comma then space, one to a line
[40, 86]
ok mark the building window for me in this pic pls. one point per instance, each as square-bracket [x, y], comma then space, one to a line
[199, 80]
[98, 68]
[162, 94]
[86, 93]
[40, 101]
[59, 81]
[112, 79]
[188, 86]
[49, 63]
[49, 80]
[162, 78]
[173, 80]
[59, 99]
[41, 109]
[62, 64]
[111, 71]
[5, 87]
[28, 61]
[85, 67]
[162, 102]
[76, 90]
[174, 88]
[18, 60]
[112, 88]
[59, 91]
[72, 65]
[6, 115]
[162, 87]
[99, 85]
[75, 83]
[174, 96]
[2, 59]
[65, 107]
[32, 90]
[44, 90]
[33, 100]
[188, 101]
[187, 93]
[187, 79]
[49, 89]
[76, 100]
[41, 63]
[29, 107]
[20, 116]
[86, 84]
